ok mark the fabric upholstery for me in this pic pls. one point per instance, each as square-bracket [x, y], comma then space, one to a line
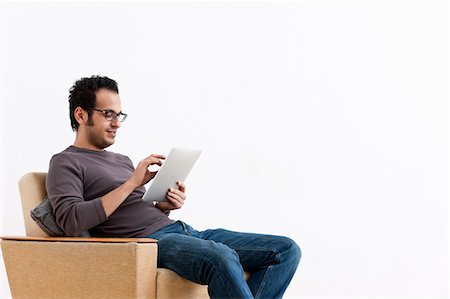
[32, 192]
[170, 285]
[44, 217]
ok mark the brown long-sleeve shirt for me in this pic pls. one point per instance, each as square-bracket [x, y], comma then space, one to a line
[77, 179]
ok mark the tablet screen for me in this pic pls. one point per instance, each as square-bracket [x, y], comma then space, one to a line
[176, 167]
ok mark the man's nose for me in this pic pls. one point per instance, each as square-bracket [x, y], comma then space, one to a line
[116, 123]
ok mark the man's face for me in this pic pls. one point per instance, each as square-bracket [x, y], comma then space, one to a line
[100, 132]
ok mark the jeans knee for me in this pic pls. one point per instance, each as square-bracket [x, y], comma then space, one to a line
[296, 252]
[292, 252]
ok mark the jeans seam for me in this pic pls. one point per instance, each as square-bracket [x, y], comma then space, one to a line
[220, 274]
[183, 225]
[217, 270]
[263, 282]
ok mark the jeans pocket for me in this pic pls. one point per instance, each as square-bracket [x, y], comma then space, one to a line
[188, 230]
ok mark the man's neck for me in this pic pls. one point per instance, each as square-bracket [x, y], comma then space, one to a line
[86, 145]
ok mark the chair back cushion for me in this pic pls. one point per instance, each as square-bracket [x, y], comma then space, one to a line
[37, 210]
[44, 217]
[32, 193]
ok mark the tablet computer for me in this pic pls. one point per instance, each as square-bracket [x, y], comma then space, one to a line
[175, 167]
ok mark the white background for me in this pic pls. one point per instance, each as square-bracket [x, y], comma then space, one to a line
[323, 121]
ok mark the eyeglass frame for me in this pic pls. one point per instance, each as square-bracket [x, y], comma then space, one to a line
[114, 117]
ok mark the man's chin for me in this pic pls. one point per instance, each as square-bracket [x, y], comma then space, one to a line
[105, 144]
[109, 143]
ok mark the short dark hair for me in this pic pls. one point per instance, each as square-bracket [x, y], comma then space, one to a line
[82, 94]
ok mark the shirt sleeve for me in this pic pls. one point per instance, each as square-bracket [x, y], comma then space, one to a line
[64, 185]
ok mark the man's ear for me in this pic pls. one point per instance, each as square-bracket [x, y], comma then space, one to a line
[80, 116]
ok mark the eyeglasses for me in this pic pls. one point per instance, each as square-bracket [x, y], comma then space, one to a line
[110, 115]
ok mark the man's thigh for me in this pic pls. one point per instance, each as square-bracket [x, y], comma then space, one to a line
[190, 256]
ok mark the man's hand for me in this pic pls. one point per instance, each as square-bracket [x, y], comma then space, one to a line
[142, 175]
[175, 198]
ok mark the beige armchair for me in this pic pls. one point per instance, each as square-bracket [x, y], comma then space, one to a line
[39, 266]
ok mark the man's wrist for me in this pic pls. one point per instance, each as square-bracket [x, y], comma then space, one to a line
[165, 211]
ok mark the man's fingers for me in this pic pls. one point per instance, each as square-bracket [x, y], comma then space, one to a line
[152, 174]
[156, 157]
[176, 201]
[182, 186]
[177, 192]
[153, 161]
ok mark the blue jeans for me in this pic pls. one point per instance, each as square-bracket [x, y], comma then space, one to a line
[219, 257]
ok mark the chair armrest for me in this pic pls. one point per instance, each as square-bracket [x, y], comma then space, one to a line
[82, 268]
[74, 239]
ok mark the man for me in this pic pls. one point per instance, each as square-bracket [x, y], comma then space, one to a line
[100, 191]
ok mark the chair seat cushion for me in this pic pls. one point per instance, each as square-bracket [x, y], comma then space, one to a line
[171, 285]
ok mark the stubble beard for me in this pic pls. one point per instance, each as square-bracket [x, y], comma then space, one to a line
[97, 138]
